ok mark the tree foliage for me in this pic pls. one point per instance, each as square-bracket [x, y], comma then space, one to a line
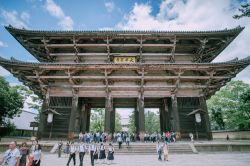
[97, 120]
[229, 107]
[31, 99]
[11, 102]
[152, 122]
[244, 11]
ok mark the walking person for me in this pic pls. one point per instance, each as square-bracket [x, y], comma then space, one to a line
[82, 149]
[102, 155]
[119, 140]
[159, 151]
[72, 154]
[111, 152]
[165, 151]
[24, 152]
[60, 144]
[92, 151]
[12, 156]
[37, 153]
[127, 140]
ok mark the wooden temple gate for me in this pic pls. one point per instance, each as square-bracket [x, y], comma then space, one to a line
[80, 70]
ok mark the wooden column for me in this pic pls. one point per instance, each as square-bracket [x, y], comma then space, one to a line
[112, 121]
[161, 121]
[136, 112]
[42, 120]
[108, 114]
[176, 119]
[84, 117]
[88, 114]
[71, 130]
[203, 105]
[167, 114]
[141, 124]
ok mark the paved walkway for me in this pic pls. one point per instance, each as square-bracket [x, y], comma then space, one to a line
[204, 159]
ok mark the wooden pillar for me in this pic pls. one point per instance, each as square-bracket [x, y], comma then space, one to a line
[203, 105]
[84, 117]
[71, 130]
[108, 114]
[42, 120]
[136, 112]
[161, 121]
[167, 114]
[112, 121]
[141, 124]
[176, 118]
[88, 114]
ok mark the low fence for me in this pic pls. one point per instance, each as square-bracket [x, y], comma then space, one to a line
[231, 134]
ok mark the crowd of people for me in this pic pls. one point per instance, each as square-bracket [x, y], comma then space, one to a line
[22, 155]
[97, 152]
[126, 137]
[91, 143]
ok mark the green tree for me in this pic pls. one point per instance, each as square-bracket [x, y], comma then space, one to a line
[11, 103]
[228, 101]
[118, 124]
[244, 11]
[152, 122]
[217, 119]
[97, 120]
[32, 100]
[131, 123]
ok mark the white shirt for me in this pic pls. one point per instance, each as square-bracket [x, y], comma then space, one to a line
[92, 147]
[82, 148]
[37, 154]
[102, 147]
[111, 149]
[10, 157]
[72, 149]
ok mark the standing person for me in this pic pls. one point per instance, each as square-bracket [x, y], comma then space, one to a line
[102, 155]
[24, 152]
[66, 150]
[119, 140]
[12, 156]
[37, 153]
[165, 151]
[82, 150]
[111, 152]
[80, 136]
[92, 151]
[72, 154]
[60, 144]
[127, 140]
[159, 150]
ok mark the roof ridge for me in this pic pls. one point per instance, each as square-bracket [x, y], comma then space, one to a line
[238, 28]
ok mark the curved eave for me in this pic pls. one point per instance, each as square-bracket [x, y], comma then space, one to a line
[117, 32]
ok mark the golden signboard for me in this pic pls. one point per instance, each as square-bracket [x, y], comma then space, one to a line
[125, 59]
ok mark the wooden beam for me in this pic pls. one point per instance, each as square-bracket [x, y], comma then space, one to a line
[172, 58]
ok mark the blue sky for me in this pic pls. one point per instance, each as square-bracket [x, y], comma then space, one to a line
[121, 15]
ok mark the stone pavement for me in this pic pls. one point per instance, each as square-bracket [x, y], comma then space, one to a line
[204, 159]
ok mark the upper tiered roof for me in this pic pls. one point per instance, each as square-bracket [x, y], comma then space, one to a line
[148, 46]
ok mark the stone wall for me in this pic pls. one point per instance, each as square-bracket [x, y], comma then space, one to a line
[231, 134]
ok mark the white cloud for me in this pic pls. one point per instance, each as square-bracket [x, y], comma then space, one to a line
[12, 18]
[2, 44]
[4, 72]
[25, 16]
[194, 15]
[109, 6]
[65, 22]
